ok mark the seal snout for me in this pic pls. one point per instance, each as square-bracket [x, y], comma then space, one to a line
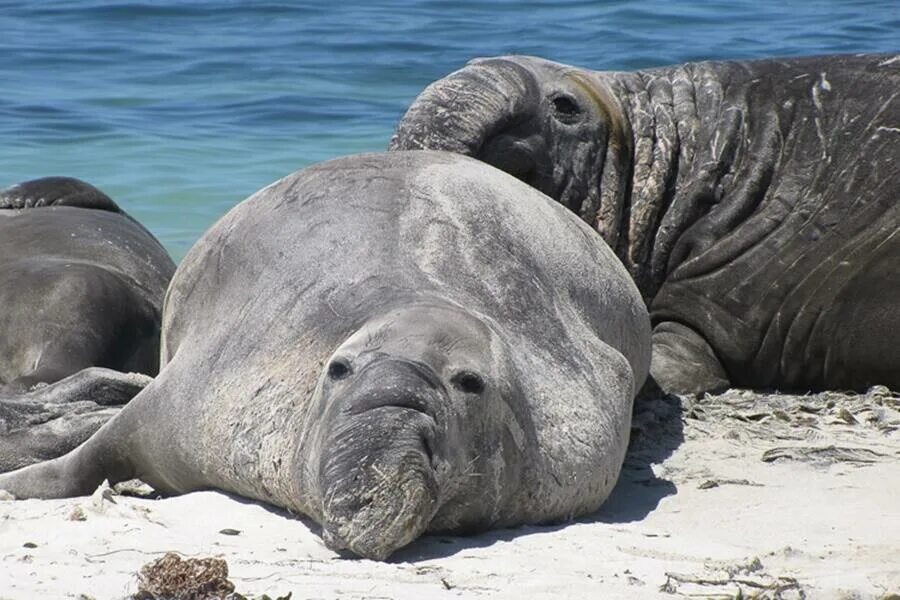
[377, 476]
[518, 157]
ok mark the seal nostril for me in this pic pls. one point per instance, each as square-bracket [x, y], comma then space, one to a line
[468, 382]
[339, 369]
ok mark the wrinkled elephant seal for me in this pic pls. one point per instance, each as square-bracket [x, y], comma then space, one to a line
[81, 286]
[391, 344]
[754, 202]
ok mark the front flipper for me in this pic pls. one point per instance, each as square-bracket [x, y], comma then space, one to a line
[683, 362]
[77, 473]
[50, 420]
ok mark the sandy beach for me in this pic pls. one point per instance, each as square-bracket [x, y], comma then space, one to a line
[721, 497]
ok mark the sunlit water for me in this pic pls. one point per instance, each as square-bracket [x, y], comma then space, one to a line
[179, 110]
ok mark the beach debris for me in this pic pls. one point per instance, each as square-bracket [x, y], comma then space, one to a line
[824, 455]
[136, 489]
[712, 483]
[77, 514]
[173, 578]
[847, 417]
[102, 496]
[723, 580]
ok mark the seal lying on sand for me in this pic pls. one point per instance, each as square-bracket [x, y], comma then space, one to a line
[390, 344]
[754, 202]
[81, 286]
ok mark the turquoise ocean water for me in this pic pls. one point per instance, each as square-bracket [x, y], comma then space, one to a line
[179, 110]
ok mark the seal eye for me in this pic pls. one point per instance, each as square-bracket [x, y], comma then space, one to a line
[468, 382]
[338, 369]
[565, 108]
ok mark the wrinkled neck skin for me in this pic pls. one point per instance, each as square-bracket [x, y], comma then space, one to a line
[686, 143]
[642, 156]
[399, 438]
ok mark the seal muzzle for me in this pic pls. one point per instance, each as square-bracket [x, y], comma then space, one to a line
[376, 473]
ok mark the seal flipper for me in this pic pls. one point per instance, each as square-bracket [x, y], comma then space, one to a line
[51, 420]
[128, 446]
[103, 456]
[77, 473]
[683, 362]
[56, 191]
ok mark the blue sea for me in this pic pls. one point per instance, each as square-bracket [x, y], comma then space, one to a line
[179, 110]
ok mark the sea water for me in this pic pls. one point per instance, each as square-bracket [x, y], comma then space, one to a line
[179, 110]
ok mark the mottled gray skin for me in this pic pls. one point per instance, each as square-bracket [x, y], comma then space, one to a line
[390, 344]
[81, 286]
[755, 203]
[48, 421]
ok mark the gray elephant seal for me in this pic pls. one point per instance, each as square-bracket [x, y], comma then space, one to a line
[390, 344]
[755, 203]
[81, 286]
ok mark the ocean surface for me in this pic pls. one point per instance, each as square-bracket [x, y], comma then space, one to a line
[179, 110]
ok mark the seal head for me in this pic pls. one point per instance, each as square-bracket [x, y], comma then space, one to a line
[397, 450]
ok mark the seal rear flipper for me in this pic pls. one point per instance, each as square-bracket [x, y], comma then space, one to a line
[56, 191]
[99, 385]
[683, 362]
[53, 419]
[51, 438]
[77, 473]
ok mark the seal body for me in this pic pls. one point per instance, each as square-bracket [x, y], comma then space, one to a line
[81, 286]
[390, 344]
[754, 202]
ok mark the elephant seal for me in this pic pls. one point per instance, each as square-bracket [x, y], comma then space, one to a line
[81, 289]
[390, 344]
[755, 203]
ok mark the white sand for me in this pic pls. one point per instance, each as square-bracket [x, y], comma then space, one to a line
[822, 521]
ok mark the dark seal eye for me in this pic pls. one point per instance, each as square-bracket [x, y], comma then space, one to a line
[565, 108]
[468, 382]
[338, 369]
